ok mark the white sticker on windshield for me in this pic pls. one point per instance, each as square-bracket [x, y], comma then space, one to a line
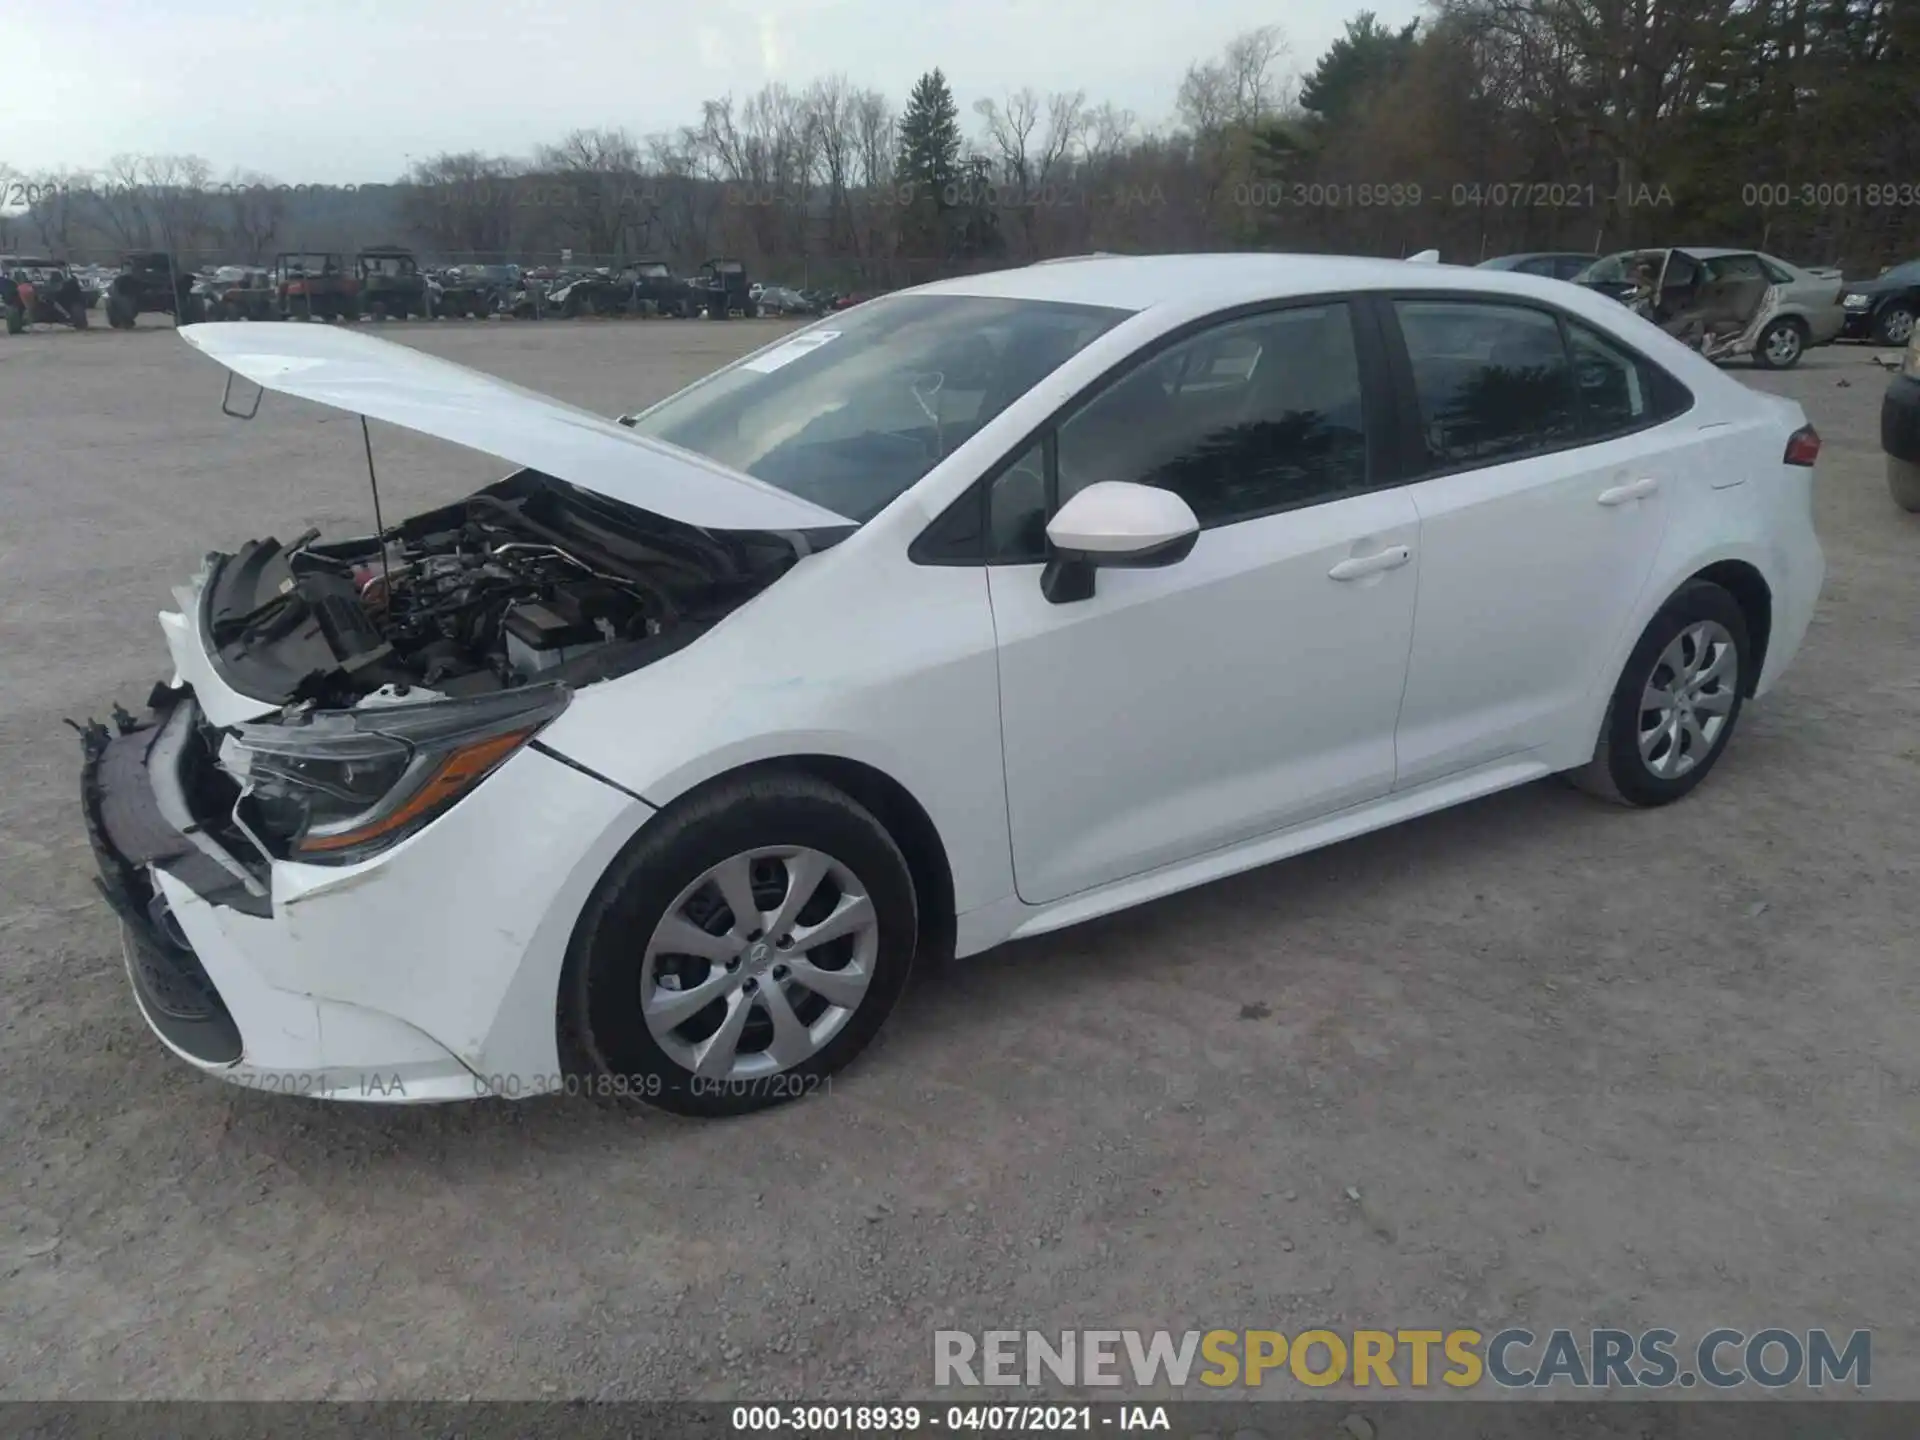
[791, 351]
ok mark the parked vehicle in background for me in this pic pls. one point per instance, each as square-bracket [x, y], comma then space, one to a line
[477, 291]
[1883, 308]
[240, 292]
[783, 300]
[1900, 428]
[1554, 264]
[724, 289]
[593, 293]
[41, 291]
[316, 285]
[658, 291]
[653, 769]
[1725, 303]
[151, 282]
[391, 285]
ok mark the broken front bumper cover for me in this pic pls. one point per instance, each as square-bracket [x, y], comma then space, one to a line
[428, 973]
[157, 864]
[135, 826]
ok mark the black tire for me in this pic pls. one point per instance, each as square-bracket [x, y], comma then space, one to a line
[1894, 320]
[604, 1041]
[1617, 771]
[1903, 483]
[78, 312]
[16, 319]
[1778, 332]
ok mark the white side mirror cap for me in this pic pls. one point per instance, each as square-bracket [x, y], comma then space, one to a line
[1424, 257]
[1115, 522]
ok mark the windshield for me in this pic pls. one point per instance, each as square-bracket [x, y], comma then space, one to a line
[851, 412]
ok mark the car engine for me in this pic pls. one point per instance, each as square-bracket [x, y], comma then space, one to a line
[496, 591]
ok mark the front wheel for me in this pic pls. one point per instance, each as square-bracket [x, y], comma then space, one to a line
[1781, 345]
[742, 950]
[1676, 702]
[1894, 325]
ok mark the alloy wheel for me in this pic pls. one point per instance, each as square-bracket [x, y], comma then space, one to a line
[759, 963]
[1783, 345]
[1899, 326]
[1688, 699]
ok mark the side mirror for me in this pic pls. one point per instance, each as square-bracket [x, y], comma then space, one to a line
[1118, 525]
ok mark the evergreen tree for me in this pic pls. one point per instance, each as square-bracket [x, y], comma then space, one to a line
[1366, 55]
[930, 138]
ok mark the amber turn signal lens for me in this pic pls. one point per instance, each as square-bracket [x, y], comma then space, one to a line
[459, 772]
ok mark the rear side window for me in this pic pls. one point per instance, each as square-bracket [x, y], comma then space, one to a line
[1492, 381]
[1619, 390]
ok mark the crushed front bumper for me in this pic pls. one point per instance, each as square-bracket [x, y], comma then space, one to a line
[134, 833]
[428, 973]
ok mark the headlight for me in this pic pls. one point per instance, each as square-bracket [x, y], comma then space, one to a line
[1856, 302]
[334, 787]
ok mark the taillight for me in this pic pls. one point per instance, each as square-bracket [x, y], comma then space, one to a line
[1803, 446]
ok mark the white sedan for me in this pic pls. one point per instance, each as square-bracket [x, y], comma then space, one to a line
[980, 610]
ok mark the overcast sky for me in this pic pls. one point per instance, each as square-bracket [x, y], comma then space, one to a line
[340, 91]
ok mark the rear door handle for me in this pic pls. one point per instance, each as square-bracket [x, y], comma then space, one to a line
[1632, 490]
[1391, 558]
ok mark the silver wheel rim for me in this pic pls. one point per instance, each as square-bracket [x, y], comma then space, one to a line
[1900, 327]
[759, 963]
[1689, 699]
[1783, 345]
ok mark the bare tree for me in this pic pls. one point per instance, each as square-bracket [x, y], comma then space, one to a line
[463, 203]
[1033, 145]
[594, 191]
[255, 210]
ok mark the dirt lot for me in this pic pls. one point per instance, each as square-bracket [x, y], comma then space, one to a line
[1582, 1066]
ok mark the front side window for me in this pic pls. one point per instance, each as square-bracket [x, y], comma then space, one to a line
[851, 412]
[1492, 381]
[1253, 416]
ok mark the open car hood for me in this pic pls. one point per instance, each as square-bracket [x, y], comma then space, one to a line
[416, 391]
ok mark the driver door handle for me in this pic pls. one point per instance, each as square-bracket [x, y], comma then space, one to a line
[1632, 490]
[1391, 558]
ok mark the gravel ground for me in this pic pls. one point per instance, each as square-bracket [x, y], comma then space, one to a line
[1582, 1066]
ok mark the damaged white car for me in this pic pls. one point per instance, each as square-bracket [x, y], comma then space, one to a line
[975, 612]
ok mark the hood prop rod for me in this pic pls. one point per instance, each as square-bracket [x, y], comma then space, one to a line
[379, 525]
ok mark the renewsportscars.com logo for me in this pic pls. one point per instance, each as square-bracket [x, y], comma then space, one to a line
[1511, 1359]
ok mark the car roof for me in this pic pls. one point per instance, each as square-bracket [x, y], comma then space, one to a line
[1519, 255]
[1140, 282]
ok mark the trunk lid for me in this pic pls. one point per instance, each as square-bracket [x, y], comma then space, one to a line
[416, 391]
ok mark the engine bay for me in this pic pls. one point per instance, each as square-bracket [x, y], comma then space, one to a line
[530, 580]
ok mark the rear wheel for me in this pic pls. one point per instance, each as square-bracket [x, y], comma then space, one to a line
[1676, 703]
[1781, 345]
[1894, 324]
[746, 946]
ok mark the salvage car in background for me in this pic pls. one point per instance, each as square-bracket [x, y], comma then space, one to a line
[239, 292]
[1726, 303]
[39, 291]
[972, 613]
[151, 282]
[316, 285]
[391, 285]
[1883, 308]
[1554, 264]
